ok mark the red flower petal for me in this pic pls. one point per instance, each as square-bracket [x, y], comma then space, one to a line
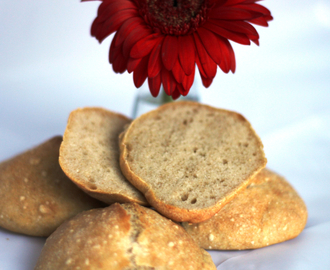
[181, 90]
[114, 7]
[237, 37]
[168, 81]
[235, 2]
[119, 63]
[188, 82]
[261, 21]
[154, 85]
[170, 51]
[210, 43]
[103, 30]
[232, 13]
[136, 34]
[132, 64]
[144, 46]
[209, 67]
[176, 94]
[178, 72]
[126, 29]
[231, 55]
[140, 73]
[155, 61]
[116, 57]
[200, 68]
[228, 62]
[206, 81]
[187, 53]
[114, 50]
[239, 27]
[256, 8]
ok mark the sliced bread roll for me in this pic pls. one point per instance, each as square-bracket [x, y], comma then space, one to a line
[122, 237]
[190, 159]
[35, 194]
[89, 155]
[267, 212]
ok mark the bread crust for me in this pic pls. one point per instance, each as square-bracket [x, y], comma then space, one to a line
[169, 210]
[268, 212]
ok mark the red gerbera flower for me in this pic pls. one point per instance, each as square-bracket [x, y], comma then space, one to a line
[163, 40]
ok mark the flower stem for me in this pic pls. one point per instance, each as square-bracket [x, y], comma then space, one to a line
[164, 98]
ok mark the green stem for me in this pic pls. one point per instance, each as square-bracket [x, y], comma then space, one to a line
[164, 98]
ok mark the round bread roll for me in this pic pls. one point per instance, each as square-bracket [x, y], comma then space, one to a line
[122, 237]
[35, 194]
[269, 211]
[190, 159]
[89, 155]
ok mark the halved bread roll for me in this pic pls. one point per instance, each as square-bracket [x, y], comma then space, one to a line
[89, 155]
[190, 159]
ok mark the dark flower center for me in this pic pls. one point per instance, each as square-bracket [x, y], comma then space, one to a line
[174, 17]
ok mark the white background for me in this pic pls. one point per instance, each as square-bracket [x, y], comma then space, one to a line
[49, 66]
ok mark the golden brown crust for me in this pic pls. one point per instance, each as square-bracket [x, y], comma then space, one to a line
[172, 211]
[124, 192]
[121, 237]
[269, 211]
[35, 194]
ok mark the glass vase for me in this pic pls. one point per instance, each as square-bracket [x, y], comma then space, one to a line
[145, 102]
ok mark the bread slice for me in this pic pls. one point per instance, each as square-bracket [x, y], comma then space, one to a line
[127, 236]
[267, 212]
[89, 155]
[190, 159]
[35, 194]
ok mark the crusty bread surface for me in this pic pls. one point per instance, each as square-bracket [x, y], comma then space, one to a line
[267, 212]
[122, 237]
[89, 155]
[190, 159]
[35, 194]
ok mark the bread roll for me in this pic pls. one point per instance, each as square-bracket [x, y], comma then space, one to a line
[122, 237]
[269, 211]
[35, 194]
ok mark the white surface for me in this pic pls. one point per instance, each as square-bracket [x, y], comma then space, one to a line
[49, 65]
